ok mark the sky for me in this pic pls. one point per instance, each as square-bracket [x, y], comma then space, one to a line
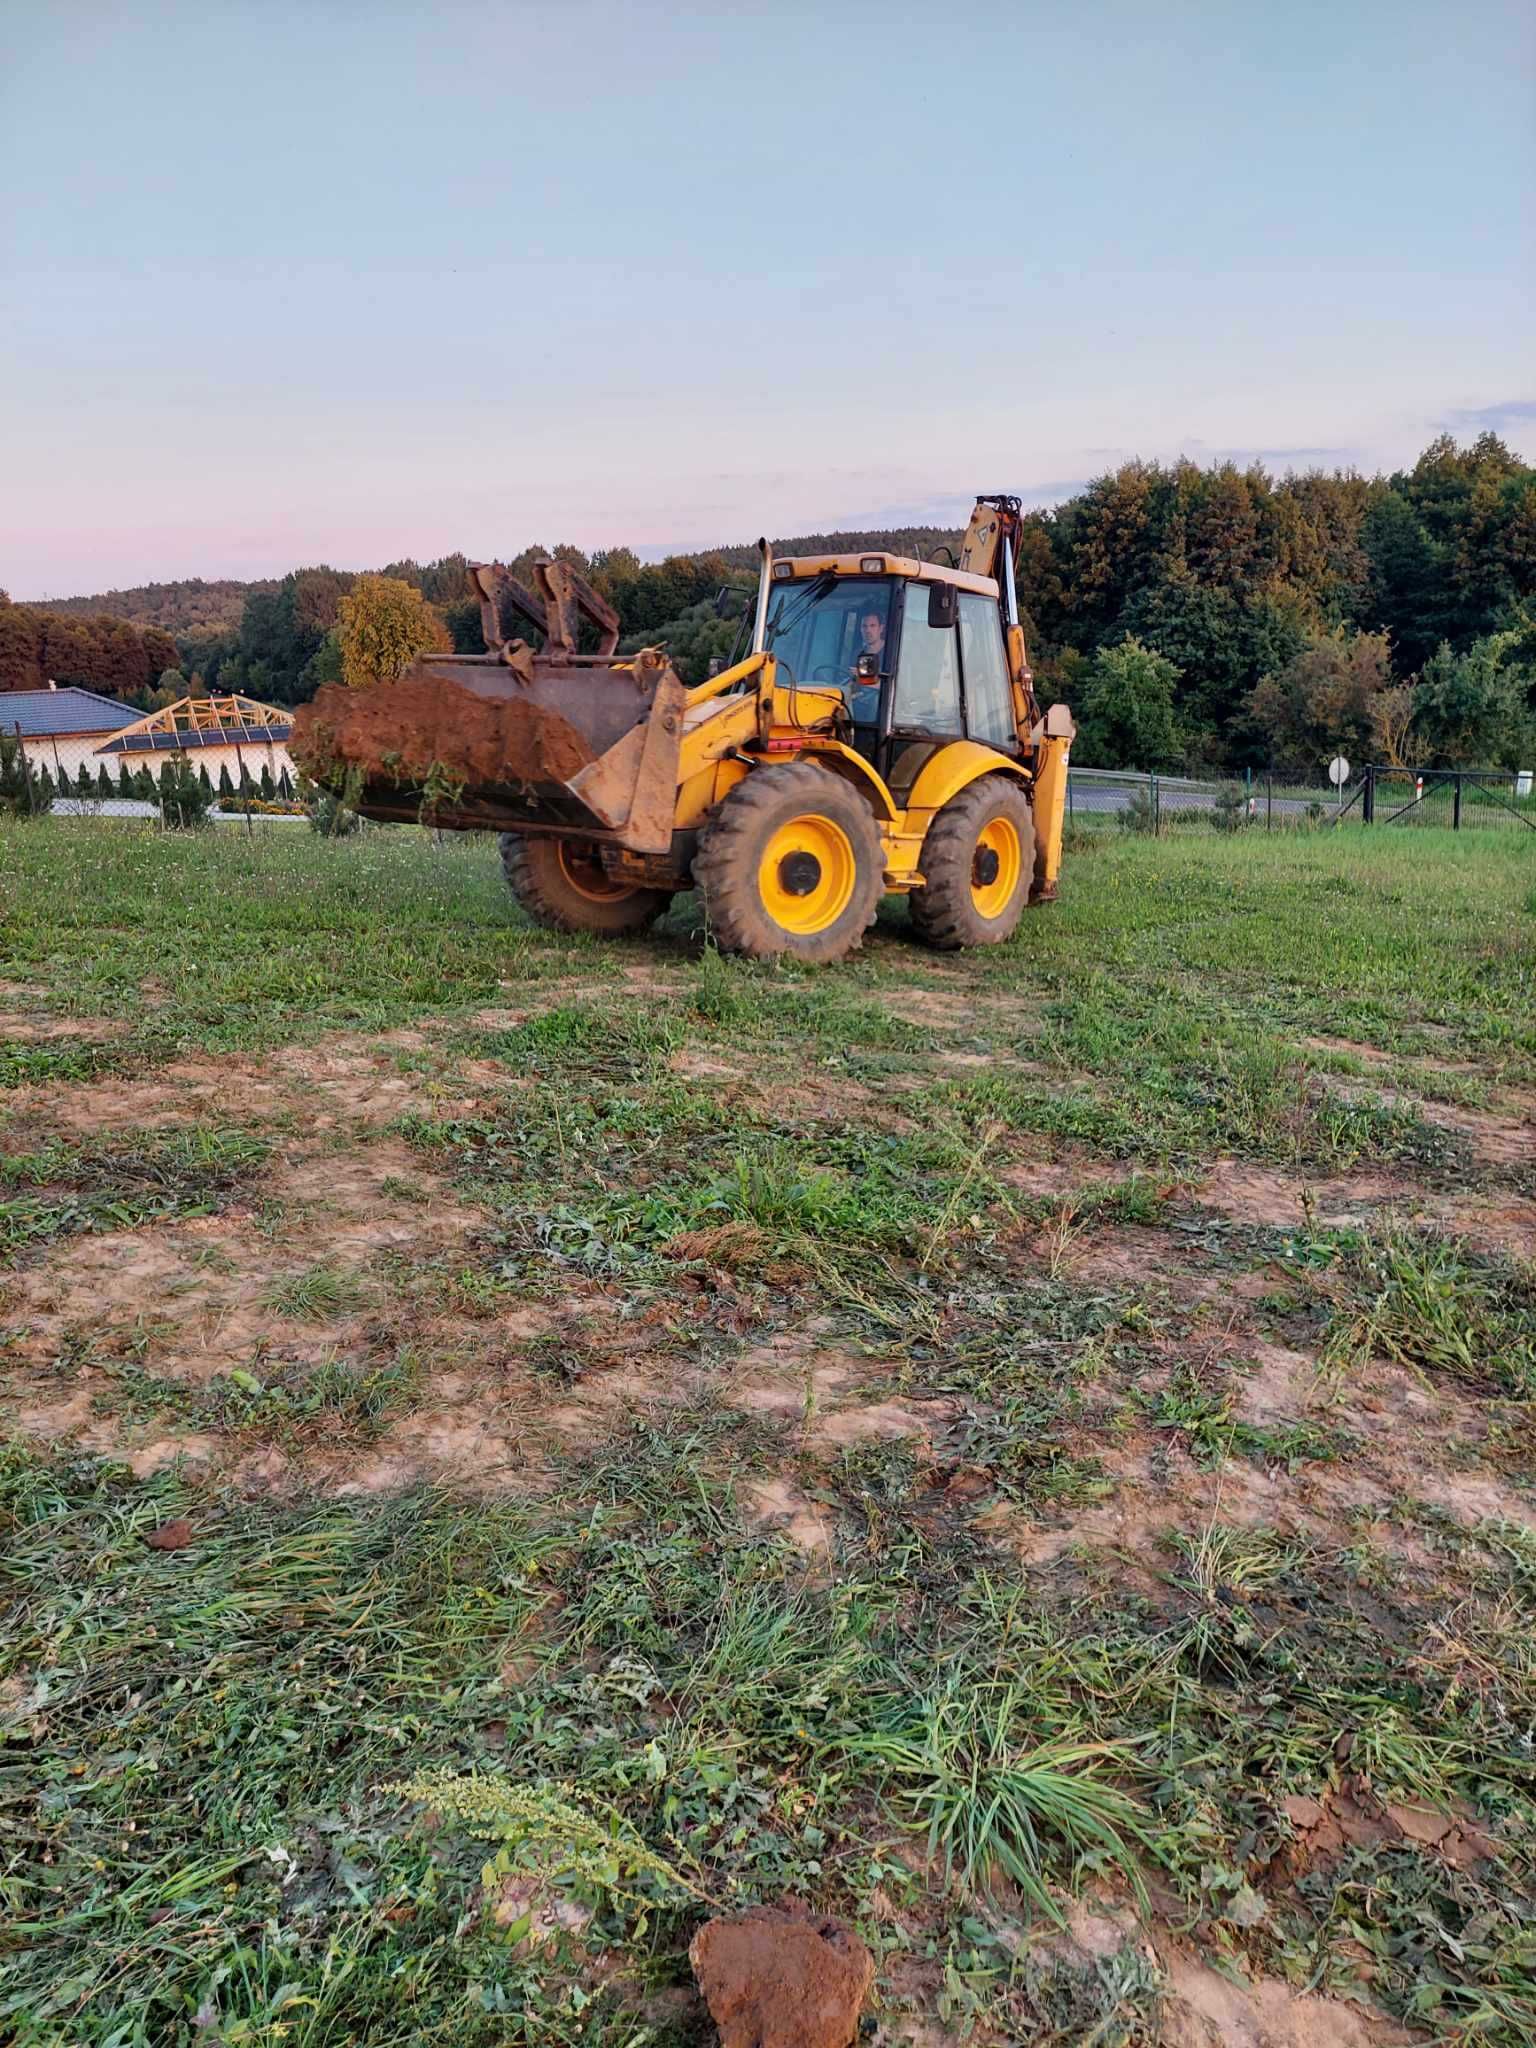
[331, 282]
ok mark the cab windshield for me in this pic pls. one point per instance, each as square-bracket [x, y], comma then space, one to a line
[818, 627]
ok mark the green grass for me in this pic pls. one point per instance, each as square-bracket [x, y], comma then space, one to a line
[92, 1186]
[250, 1785]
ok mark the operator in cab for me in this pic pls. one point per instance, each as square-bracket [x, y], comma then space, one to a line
[863, 688]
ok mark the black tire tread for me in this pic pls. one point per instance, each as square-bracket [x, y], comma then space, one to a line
[943, 913]
[730, 845]
[529, 868]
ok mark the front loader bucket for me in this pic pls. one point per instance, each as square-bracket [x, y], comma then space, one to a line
[507, 743]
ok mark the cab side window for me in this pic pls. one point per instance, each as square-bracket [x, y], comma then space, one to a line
[927, 671]
[988, 698]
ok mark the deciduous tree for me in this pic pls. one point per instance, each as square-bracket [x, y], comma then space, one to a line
[383, 626]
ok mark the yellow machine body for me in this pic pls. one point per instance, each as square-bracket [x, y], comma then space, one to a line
[616, 785]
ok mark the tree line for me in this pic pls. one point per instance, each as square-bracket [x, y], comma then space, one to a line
[1201, 618]
[1216, 618]
[95, 652]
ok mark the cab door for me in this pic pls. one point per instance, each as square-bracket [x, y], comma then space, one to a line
[925, 706]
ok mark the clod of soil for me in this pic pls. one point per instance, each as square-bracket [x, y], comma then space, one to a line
[782, 1977]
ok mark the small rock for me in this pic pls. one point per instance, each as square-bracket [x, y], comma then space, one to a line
[782, 1977]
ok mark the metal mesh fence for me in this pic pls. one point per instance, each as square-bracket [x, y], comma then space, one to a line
[1452, 799]
[1165, 803]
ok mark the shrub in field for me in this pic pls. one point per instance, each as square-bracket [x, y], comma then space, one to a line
[1139, 815]
[1229, 808]
[184, 798]
[330, 815]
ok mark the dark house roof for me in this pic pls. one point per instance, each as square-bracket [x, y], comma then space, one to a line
[210, 736]
[46, 714]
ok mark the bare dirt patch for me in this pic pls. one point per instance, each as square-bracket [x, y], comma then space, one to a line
[695, 1065]
[1473, 1497]
[1500, 1141]
[941, 1009]
[342, 1080]
[35, 1029]
[781, 1507]
[1283, 1385]
[1270, 1195]
[1353, 1047]
[1067, 1171]
[1205, 2008]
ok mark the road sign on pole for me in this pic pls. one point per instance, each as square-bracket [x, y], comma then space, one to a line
[1338, 775]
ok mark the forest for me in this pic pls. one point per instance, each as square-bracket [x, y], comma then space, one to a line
[1194, 617]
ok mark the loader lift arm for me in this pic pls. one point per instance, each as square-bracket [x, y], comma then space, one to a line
[991, 548]
[562, 602]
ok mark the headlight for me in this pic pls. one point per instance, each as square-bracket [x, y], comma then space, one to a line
[872, 565]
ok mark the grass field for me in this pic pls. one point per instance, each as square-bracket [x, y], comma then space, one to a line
[514, 1445]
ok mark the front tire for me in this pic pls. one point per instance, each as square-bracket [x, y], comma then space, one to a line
[562, 885]
[791, 864]
[978, 863]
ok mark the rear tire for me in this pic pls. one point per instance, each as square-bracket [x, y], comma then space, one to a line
[562, 885]
[791, 864]
[978, 866]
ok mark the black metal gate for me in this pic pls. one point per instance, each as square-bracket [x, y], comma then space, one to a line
[1450, 797]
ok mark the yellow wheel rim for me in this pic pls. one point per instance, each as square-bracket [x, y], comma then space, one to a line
[996, 866]
[806, 874]
[586, 874]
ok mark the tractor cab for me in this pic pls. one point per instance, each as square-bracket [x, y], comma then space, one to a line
[915, 650]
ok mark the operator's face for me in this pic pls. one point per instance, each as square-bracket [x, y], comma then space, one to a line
[872, 631]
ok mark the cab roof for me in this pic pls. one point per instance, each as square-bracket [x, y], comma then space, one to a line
[873, 562]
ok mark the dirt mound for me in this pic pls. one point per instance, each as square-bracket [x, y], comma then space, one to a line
[403, 732]
[782, 1977]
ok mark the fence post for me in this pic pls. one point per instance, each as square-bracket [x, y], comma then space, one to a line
[1456, 804]
[1368, 801]
[1269, 803]
[1155, 801]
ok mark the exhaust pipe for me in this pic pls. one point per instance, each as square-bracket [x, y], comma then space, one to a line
[764, 579]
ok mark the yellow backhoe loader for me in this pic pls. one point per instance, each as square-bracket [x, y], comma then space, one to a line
[881, 734]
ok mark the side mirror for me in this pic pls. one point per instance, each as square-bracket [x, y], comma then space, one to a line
[943, 605]
[725, 601]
